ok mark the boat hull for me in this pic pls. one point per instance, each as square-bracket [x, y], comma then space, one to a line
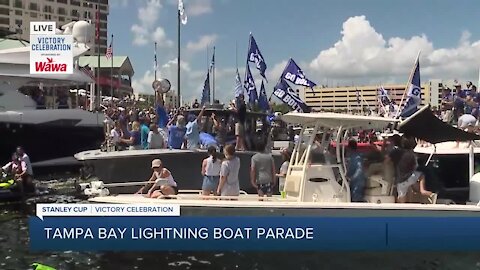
[45, 142]
[134, 165]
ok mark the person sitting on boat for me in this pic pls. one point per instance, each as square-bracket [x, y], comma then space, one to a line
[262, 171]
[134, 141]
[211, 172]
[27, 169]
[176, 133]
[160, 173]
[155, 140]
[192, 133]
[407, 173]
[229, 184]
[283, 169]
[17, 169]
[355, 173]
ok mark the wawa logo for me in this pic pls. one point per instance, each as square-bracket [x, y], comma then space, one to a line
[50, 66]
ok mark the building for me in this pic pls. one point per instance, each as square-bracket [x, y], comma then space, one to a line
[347, 99]
[170, 99]
[118, 78]
[16, 15]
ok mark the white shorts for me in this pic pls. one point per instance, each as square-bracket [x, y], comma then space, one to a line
[402, 188]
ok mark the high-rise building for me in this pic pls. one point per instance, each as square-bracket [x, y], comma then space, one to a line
[16, 15]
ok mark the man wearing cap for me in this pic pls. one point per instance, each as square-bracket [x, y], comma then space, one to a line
[193, 134]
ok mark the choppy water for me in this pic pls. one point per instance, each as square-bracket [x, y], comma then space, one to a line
[15, 254]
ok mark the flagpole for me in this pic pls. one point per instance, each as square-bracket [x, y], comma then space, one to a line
[178, 58]
[155, 70]
[97, 88]
[213, 76]
[111, 73]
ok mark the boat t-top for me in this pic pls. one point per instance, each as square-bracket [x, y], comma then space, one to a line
[311, 188]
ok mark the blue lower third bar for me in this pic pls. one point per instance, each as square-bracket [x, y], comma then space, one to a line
[253, 233]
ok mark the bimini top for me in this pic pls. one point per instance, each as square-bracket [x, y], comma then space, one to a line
[333, 120]
[426, 126]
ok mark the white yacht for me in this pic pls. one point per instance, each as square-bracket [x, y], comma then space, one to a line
[44, 133]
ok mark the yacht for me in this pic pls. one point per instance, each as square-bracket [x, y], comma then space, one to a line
[45, 134]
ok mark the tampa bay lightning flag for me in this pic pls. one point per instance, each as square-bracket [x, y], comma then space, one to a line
[255, 56]
[414, 96]
[262, 99]
[249, 85]
[295, 75]
[206, 90]
[383, 95]
[239, 90]
[288, 96]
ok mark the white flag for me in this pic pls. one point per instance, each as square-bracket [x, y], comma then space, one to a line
[181, 9]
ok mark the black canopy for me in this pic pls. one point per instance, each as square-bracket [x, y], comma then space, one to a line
[426, 126]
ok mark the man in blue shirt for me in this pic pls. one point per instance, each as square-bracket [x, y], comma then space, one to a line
[162, 115]
[355, 173]
[176, 133]
[144, 130]
[193, 133]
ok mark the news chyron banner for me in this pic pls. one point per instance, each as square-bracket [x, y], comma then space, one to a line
[49, 53]
[142, 227]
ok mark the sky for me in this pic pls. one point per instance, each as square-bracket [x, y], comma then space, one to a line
[335, 42]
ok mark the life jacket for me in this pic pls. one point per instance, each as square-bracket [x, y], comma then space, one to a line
[7, 184]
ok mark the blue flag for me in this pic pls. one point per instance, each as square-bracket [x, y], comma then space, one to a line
[414, 96]
[384, 98]
[239, 90]
[249, 85]
[288, 96]
[262, 99]
[255, 56]
[295, 75]
[206, 90]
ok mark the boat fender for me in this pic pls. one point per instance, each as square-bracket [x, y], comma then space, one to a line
[474, 195]
[97, 192]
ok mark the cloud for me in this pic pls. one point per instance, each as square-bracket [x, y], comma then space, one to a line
[199, 7]
[363, 54]
[202, 43]
[144, 31]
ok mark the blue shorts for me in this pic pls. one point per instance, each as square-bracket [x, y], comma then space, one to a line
[210, 183]
[265, 188]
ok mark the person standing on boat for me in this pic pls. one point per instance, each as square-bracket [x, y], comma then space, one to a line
[155, 140]
[241, 109]
[135, 141]
[229, 184]
[355, 173]
[211, 172]
[283, 169]
[176, 133]
[407, 173]
[160, 173]
[459, 101]
[262, 171]
[220, 129]
[144, 130]
[192, 133]
[447, 105]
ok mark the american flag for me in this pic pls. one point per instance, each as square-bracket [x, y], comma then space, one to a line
[109, 52]
[87, 70]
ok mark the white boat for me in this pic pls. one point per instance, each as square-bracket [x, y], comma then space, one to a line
[48, 133]
[310, 189]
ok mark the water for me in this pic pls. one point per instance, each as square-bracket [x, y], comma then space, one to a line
[15, 254]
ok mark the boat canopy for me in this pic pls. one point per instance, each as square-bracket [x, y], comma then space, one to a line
[334, 120]
[424, 125]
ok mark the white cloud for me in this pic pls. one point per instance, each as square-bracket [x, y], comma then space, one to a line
[202, 43]
[363, 54]
[145, 31]
[199, 7]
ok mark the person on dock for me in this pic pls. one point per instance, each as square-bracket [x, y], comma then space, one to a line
[229, 184]
[211, 172]
[262, 172]
[192, 133]
[176, 133]
[155, 140]
[159, 173]
[355, 173]
[134, 141]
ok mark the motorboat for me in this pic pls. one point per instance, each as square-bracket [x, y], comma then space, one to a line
[46, 134]
[311, 189]
[124, 166]
[446, 154]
